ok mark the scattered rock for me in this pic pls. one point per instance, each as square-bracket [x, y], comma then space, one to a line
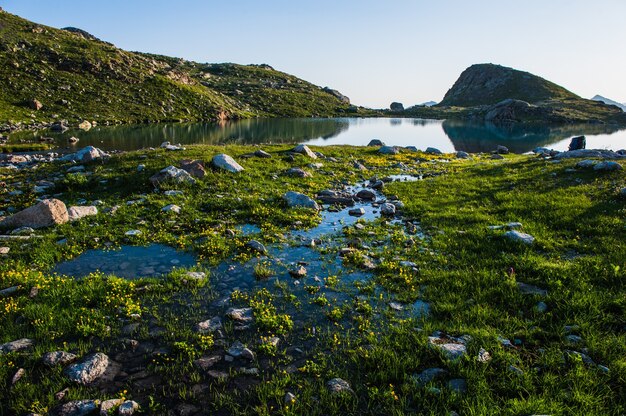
[527, 289]
[193, 167]
[262, 154]
[85, 155]
[338, 386]
[46, 213]
[298, 273]
[577, 143]
[210, 325]
[483, 356]
[458, 385]
[225, 162]
[75, 408]
[73, 140]
[88, 370]
[296, 199]
[36, 105]
[55, 358]
[433, 151]
[519, 237]
[107, 406]
[256, 246]
[171, 208]
[128, 408]
[244, 315]
[497, 156]
[18, 376]
[298, 173]
[16, 346]
[388, 209]
[171, 174]
[238, 350]
[171, 147]
[376, 142]
[304, 150]
[132, 233]
[388, 150]
[9, 290]
[607, 166]
[462, 155]
[366, 195]
[453, 348]
[77, 212]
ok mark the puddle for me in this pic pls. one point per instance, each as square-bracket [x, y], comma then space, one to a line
[130, 262]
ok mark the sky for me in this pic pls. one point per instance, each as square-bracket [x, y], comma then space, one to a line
[373, 51]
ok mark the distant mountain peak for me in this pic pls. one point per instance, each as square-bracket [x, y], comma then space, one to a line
[609, 102]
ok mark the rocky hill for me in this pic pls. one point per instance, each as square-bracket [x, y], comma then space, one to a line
[49, 74]
[498, 93]
[609, 102]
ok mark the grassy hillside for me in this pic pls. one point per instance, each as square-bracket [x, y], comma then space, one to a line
[76, 77]
[485, 84]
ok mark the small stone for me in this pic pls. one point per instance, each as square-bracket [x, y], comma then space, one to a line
[298, 272]
[204, 363]
[18, 376]
[304, 150]
[52, 359]
[210, 325]
[483, 356]
[462, 155]
[5, 250]
[607, 166]
[515, 370]
[128, 408]
[429, 375]
[376, 143]
[356, 212]
[519, 237]
[171, 208]
[16, 346]
[388, 150]
[196, 275]
[541, 307]
[298, 200]
[388, 209]
[9, 291]
[108, 405]
[132, 232]
[262, 154]
[366, 195]
[75, 408]
[244, 315]
[78, 212]
[502, 150]
[338, 386]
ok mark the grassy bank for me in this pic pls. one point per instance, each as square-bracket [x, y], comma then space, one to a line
[441, 253]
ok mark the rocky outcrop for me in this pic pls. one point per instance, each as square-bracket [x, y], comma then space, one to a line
[45, 214]
[395, 106]
[337, 95]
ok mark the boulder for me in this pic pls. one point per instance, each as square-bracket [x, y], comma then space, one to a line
[519, 237]
[128, 408]
[225, 162]
[304, 150]
[262, 154]
[45, 214]
[171, 208]
[298, 173]
[88, 370]
[462, 155]
[85, 125]
[78, 212]
[171, 147]
[84, 155]
[433, 151]
[607, 166]
[16, 346]
[75, 408]
[256, 246]
[376, 142]
[54, 358]
[193, 167]
[338, 386]
[171, 174]
[243, 315]
[388, 150]
[388, 209]
[577, 143]
[298, 200]
[210, 325]
[502, 150]
[589, 153]
[366, 195]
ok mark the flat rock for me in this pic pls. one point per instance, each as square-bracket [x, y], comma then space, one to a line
[225, 162]
[297, 173]
[210, 325]
[84, 155]
[608, 166]
[44, 214]
[244, 315]
[304, 150]
[76, 408]
[204, 363]
[298, 200]
[452, 348]
[9, 290]
[262, 154]
[366, 195]
[77, 212]
[54, 358]
[519, 237]
[171, 174]
[338, 386]
[589, 153]
[89, 369]
[16, 346]
[388, 150]
[527, 289]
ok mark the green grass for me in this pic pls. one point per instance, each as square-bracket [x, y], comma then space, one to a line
[465, 271]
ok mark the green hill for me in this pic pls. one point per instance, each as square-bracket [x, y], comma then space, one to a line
[486, 84]
[76, 76]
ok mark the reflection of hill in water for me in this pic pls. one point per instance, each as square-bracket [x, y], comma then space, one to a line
[519, 138]
[254, 131]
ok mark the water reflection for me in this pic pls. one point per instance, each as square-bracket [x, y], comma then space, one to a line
[448, 136]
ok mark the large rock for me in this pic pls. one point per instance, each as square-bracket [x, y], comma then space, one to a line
[16, 346]
[396, 106]
[388, 150]
[75, 408]
[577, 143]
[376, 142]
[298, 200]
[193, 167]
[225, 162]
[84, 155]
[171, 174]
[304, 150]
[78, 212]
[590, 153]
[608, 166]
[88, 370]
[45, 214]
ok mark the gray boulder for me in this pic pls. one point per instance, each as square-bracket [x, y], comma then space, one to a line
[298, 200]
[45, 214]
[376, 142]
[77, 212]
[16, 346]
[76, 408]
[462, 155]
[84, 155]
[433, 151]
[225, 162]
[519, 237]
[88, 370]
[388, 209]
[171, 174]
[388, 150]
[608, 166]
[54, 358]
[304, 150]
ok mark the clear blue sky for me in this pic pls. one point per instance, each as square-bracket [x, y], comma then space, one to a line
[373, 51]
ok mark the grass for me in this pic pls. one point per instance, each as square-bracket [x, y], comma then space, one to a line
[466, 272]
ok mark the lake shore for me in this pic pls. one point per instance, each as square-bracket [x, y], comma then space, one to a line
[335, 279]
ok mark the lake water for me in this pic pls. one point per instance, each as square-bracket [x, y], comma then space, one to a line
[447, 135]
